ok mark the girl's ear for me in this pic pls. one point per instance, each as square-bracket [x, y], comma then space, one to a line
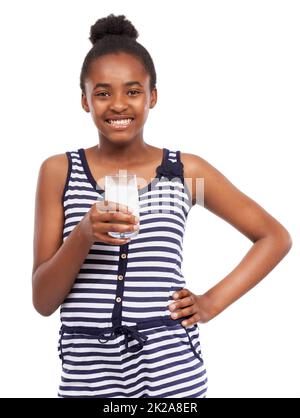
[84, 103]
[153, 98]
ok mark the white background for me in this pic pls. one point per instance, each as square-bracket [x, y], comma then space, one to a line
[228, 90]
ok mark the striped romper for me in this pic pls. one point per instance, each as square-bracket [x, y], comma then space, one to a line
[117, 339]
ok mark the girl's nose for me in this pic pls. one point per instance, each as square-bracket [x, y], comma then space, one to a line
[118, 103]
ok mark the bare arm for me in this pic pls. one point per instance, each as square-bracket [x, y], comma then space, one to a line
[56, 263]
[271, 241]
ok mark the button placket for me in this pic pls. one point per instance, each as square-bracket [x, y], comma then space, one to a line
[117, 310]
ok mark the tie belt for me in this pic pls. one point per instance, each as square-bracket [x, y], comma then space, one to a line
[129, 332]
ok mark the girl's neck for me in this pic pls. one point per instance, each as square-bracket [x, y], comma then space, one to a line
[128, 153]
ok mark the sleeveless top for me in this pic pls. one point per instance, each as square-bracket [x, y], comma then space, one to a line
[122, 288]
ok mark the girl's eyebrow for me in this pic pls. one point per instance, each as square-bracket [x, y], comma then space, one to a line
[128, 83]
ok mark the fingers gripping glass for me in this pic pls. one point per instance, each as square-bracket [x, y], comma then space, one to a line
[123, 189]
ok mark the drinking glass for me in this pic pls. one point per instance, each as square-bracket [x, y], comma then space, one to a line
[123, 189]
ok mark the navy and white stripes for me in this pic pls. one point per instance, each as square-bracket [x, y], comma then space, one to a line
[122, 288]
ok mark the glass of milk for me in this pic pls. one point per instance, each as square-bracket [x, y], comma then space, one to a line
[122, 188]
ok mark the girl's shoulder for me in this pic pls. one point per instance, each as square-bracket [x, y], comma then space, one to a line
[195, 166]
[197, 170]
[54, 170]
[56, 163]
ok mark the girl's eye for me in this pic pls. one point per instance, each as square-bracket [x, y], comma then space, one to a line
[135, 91]
[105, 92]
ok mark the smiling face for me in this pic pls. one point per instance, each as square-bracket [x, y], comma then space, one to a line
[118, 87]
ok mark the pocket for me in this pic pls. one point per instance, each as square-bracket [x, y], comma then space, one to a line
[65, 344]
[193, 338]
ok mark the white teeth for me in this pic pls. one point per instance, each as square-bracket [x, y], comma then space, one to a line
[120, 121]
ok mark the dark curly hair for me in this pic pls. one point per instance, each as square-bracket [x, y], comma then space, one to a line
[113, 34]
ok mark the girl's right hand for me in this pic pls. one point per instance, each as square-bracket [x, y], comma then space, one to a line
[97, 222]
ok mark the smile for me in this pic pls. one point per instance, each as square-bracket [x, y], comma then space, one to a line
[120, 123]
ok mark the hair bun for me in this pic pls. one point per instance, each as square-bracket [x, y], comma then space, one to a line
[112, 25]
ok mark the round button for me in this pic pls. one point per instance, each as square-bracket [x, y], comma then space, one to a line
[123, 255]
[118, 299]
[120, 277]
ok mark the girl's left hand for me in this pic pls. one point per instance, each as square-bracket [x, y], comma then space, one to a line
[187, 303]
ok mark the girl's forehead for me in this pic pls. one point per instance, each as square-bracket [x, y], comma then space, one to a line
[121, 64]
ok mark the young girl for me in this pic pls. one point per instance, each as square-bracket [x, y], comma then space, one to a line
[129, 324]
